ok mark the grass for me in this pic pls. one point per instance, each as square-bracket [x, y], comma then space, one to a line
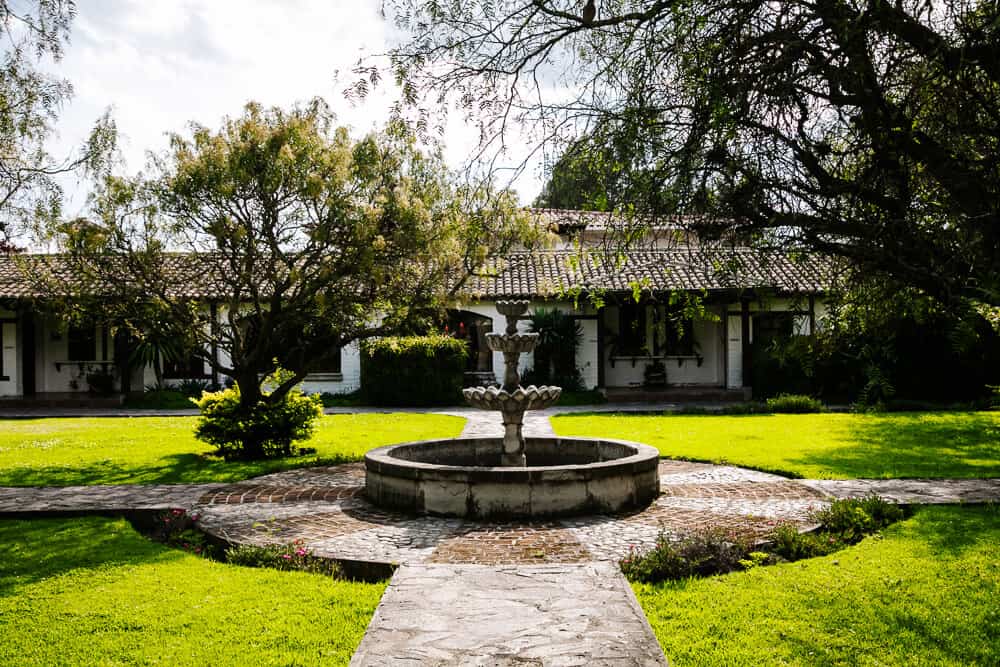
[955, 444]
[93, 591]
[162, 450]
[924, 594]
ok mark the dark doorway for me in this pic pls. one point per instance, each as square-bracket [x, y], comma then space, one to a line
[28, 353]
[472, 328]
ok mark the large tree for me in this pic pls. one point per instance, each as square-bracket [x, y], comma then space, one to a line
[304, 239]
[862, 128]
[33, 33]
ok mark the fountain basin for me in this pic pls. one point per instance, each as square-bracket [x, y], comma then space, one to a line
[516, 343]
[521, 399]
[463, 477]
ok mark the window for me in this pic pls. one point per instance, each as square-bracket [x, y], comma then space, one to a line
[192, 366]
[631, 330]
[769, 327]
[81, 344]
[331, 365]
[679, 337]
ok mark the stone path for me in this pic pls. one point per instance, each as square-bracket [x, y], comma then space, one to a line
[108, 498]
[510, 615]
[912, 491]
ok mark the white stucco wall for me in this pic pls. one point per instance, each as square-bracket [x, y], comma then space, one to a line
[586, 354]
[53, 370]
[10, 350]
[681, 370]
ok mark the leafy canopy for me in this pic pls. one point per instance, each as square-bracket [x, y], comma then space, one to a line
[861, 128]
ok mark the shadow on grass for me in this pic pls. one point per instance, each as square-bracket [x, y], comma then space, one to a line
[914, 445]
[169, 469]
[36, 549]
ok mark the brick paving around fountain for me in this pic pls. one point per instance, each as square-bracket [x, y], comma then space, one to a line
[326, 508]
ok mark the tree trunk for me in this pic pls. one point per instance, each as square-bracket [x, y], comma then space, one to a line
[250, 396]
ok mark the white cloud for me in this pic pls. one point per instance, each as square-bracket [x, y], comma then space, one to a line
[160, 65]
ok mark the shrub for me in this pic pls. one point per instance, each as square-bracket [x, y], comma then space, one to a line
[193, 387]
[413, 370]
[177, 528]
[853, 518]
[291, 556]
[788, 543]
[794, 404]
[559, 338]
[264, 430]
[701, 553]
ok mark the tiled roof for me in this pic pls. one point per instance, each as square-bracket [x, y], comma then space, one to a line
[34, 275]
[597, 221]
[519, 274]
[526, 274]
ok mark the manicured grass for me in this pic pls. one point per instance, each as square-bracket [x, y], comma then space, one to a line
[94, 592]
[924, 594]
[162, 450]
[940, 444]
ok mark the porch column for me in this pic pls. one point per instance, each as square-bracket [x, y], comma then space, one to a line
[747, 352]
[600, 348]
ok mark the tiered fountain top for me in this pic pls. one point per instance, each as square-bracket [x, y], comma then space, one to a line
[511, 395]
[511, 399]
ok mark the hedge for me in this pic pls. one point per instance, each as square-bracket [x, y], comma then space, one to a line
[413, 370]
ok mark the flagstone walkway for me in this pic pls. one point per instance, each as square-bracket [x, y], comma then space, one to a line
[509, 615]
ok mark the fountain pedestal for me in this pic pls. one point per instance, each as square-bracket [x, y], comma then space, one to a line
[512, 400]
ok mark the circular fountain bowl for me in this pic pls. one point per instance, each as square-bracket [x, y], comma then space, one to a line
[516, 343]
[462, 477]
[521, 399]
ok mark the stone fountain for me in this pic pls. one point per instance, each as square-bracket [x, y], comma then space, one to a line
[512, 476]
[512, 400]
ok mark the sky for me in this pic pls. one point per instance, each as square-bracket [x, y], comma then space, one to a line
[159, 64]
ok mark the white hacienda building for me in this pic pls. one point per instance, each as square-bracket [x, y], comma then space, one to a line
[748, 296]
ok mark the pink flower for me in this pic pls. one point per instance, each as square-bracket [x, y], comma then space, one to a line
[286, 556]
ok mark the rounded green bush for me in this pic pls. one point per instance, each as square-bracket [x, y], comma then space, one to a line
[264, 430]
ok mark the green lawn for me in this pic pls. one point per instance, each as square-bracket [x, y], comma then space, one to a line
[928, 444]
[93, 591]
[926, 593]
[148, 450]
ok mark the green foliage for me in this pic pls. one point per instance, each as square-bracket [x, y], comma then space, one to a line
[851, 519]
[880, 343]
[788, 543]
[413, 370]
[178, 528]
[293, 556]
[794, 404]
[321, 239]
[265, 429]
[701, 553]
[559, 338]
[718, 551]
[878, 156]
[33, 38]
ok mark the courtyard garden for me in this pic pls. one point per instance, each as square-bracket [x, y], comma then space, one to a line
[93, 589]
